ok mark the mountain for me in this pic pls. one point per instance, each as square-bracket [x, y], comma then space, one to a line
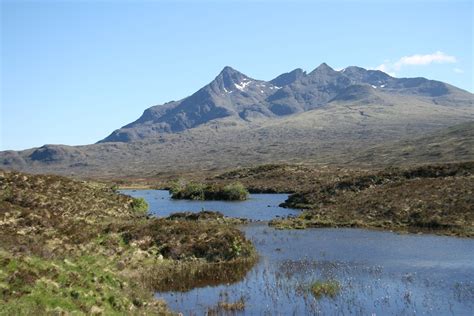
[352, 116]
[231, 93]
[234, 95]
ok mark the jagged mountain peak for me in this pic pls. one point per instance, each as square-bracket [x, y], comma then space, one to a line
[288, 77]
[233, 95]
[229, 79]
[229, 70]
[360, 70]
[322, 69]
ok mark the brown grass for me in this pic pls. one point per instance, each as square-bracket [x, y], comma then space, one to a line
[436, 198]
[50, 220]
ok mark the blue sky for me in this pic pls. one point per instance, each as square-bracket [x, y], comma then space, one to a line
[73, 71]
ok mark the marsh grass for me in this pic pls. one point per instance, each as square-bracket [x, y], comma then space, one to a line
[328, 288]
[185, 276]
[225, 307]
[139, 205]
[238, 305]
[431, 198]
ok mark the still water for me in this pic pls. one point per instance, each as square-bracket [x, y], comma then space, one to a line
[257, 207]
[380, 273]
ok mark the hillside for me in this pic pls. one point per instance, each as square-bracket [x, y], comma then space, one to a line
[204, 150]
[448, 145]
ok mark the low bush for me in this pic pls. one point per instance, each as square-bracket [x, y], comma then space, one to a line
[235, 191]
[139, 205]
[199, 191]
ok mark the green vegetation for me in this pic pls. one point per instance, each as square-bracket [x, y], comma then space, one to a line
[200, 191]
[77, 247]
[235, 191]
[85, 284]
[115, 187]
[329, 288]
[188, 191]
[139, 205]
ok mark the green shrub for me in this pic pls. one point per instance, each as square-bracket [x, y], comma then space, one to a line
[200, 191]
[176, 186]
[139, 205]
[235, 191]
[189, 191]
[115, 187]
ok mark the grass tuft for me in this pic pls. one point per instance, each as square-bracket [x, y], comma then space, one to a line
[139, 205]
[329, 288]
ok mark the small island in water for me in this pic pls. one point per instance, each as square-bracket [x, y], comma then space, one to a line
[182, 190]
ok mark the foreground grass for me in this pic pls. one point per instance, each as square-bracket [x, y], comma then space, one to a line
[79, 248]
[80, 284]
[88, 280]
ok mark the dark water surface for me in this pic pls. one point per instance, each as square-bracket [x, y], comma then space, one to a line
[381, 273]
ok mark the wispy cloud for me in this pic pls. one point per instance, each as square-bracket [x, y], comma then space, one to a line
[417, 60]
[421, 60]
[458, 70]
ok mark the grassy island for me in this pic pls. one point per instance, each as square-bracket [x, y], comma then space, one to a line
[235, 191]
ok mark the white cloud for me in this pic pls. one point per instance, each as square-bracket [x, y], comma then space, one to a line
[421, 60]
[417, 60]
[458, 70]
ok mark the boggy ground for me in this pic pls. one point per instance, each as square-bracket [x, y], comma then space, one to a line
[427, 198]
[75, 246]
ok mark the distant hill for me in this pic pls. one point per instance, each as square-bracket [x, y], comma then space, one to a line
[353, 116]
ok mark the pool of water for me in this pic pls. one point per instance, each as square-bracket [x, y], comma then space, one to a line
[380, 273]
[257, 207]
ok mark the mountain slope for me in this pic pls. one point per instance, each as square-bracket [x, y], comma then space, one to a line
[231, 93]
[455, 143]
[245, 100]
[338, 135]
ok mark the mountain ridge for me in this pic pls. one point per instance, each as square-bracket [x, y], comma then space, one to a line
[321, 117]
[234, 94]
